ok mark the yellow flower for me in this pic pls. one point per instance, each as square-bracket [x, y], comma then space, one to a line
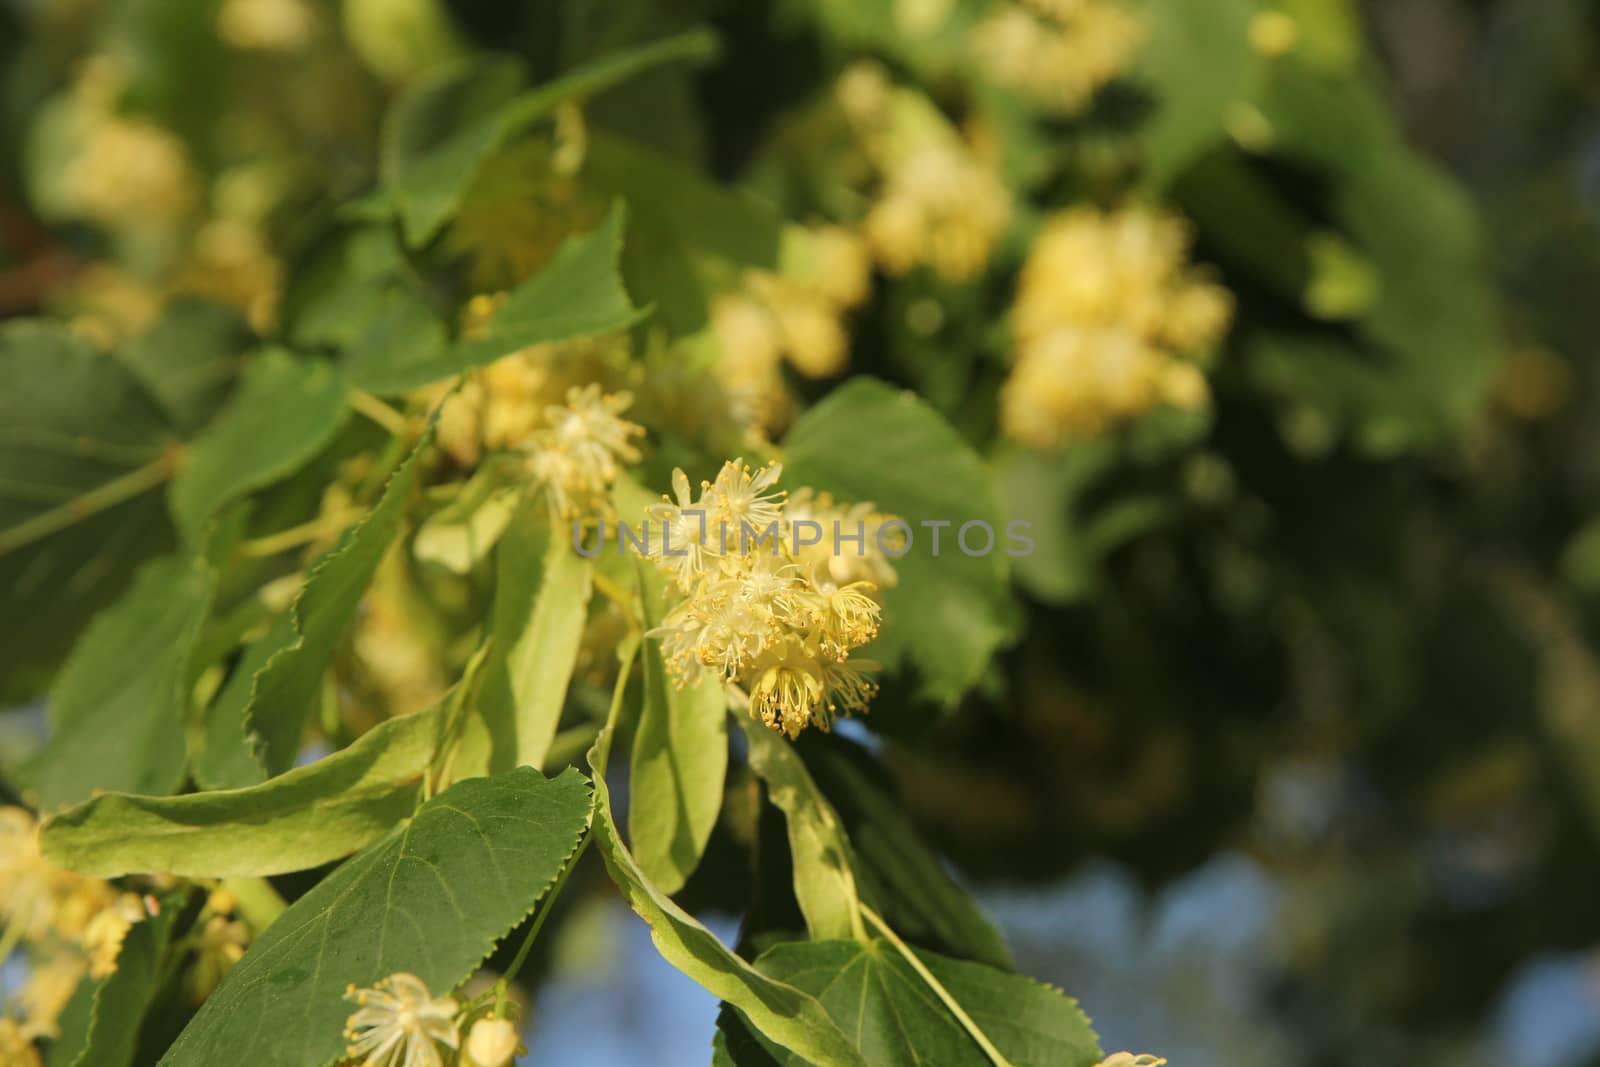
[53, 977]
[1128, 1059]
[266, 25]
[491, 1043]
[16, 1048]
[130, 172]
[578, 455]
[232, 263]
[941, 209]
[1109, 320]
[787, 693]
[399, 1023]
[1060, 52]
[761, 606]
[104, 935]
[222, 944]
[1274, 34]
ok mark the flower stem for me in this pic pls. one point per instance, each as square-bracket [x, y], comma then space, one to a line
[545, 908]
[379, 412]
[994, 1054]
[101, 497]
[295, 536]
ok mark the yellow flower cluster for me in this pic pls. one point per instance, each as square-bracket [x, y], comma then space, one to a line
[1058, 52]
[1108, 321]
[939, 205]
[502, 406]
[772, 599]
[130, 172]
[794, 314]
[265, 25]
[223, 937]
[939, 208]
[576, 457]
[73, 926]
[231, 262]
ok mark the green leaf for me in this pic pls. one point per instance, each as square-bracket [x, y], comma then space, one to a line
[118, 710]
[227, 759]
[439, 103]
[464, 532]
[307, 817]
[187, 360]
[541, 600]
[335, 296]
[285, 667]
[399, 340]
[284, 412]
[579, 294]
[1198, 62]
[1044, 489]
[871, 991]
[74, 425]
[679, 762]
[431, 898]
[73, 1024]
[120, 999]
[426, 190]
[1431, 336]
[781, 1012]
[819, 850]
[697, 212]
[950, 612]
[896, 872]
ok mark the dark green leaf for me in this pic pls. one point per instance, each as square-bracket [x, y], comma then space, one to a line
[896, 872]
[431, 899]
[188, 358]
[120, 999]
[73, 421]
[873, 993]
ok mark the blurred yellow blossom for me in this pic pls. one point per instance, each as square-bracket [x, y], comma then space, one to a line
[130, 173]
[1108, 322]
[939, 208]
[265, 25]
[1058, 52]
[16, 1047]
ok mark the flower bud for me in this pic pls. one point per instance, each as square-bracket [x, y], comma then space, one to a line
[491, 1043]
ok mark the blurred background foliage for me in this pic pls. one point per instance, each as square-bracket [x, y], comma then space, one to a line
[1292, 754]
